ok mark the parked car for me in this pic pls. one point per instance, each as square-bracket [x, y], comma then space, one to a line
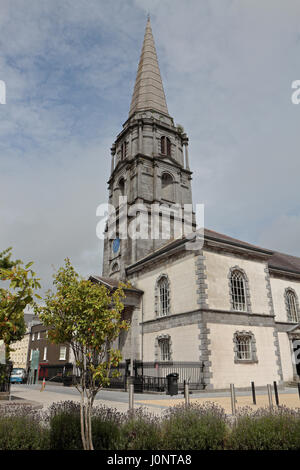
[18, 375]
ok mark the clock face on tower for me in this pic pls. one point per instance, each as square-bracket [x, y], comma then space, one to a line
[116, 245]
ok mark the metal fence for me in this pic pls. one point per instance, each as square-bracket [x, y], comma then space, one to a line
[152, 376]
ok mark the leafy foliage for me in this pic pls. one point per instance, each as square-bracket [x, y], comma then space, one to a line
[141, 431]
[197, 427]
[88, 317]
[19, 292]
[21, 429]
[180, 428]
[265, 430]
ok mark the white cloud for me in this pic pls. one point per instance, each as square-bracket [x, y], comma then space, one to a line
[70, 67]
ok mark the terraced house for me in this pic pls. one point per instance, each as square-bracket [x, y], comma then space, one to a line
[231, 306]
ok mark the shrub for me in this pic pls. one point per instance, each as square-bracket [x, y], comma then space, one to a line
[141, 431]
[65, 431]
[106, 428]
[266, 430]
[196, 427]
[21, 429]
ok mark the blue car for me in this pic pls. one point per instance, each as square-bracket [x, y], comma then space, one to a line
[18, 375]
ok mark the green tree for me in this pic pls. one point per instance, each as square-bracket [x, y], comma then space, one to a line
[88, 318]
[18, 291]
[6, 261]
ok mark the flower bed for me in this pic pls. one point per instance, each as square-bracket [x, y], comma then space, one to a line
[198, 427]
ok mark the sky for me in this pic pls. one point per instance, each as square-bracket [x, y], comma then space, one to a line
[69, 67]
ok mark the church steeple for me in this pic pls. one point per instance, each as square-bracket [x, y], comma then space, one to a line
[148, 91]
[149, 168]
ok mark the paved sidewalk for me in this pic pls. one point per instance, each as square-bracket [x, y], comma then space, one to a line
[155, 403]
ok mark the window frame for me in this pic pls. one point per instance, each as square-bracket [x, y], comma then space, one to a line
[162, 299]
[65, 355]
[157, 348]
[165, 146]
[164, 349]
[252, 348]
[234, 290]
[292, 316]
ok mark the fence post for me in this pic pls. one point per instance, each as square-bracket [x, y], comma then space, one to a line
[232, 393]
[276, 393]
[253, 393]
[131, 393]
[186, 394]
[270, 396]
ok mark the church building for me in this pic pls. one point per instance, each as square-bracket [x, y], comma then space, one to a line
[227, 304]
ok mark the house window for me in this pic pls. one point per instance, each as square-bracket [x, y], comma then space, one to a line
[292, 306]
[164, 348]
[45, 354]
[31, 354]
[32, 336]
[165, 146]
[39, 335]
[164, 296]
[238, 292]
[244, 347]
[62, 353]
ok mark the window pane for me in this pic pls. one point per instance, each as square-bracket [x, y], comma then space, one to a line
[164, 345]
[244, 348]
[164, 297]
[62, 353]
[238, 291]
[292, 307]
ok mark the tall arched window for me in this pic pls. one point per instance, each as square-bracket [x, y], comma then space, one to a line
[122, 186]
[238, 291]
[163, 296]
[124, 150]
[292, 306]
[167, 187]
[165, 144]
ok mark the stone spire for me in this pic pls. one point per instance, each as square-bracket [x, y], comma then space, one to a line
[148, 90]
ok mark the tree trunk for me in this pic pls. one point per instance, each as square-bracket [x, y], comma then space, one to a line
[84, 443]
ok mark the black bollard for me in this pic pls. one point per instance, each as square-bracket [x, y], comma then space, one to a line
[299, 388]
[253, 393]
[276, 393]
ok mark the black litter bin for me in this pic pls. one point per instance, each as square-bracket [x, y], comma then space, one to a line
[172, 384]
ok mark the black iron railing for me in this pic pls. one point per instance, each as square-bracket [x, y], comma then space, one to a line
[151, 376]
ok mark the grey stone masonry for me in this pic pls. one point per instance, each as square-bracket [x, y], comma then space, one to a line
[278, 355]
[200, 279]
[205, 353]
[269, 290]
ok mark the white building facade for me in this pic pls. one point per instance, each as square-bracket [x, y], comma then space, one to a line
[229, 305]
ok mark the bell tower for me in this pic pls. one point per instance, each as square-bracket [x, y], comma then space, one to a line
[149, 166]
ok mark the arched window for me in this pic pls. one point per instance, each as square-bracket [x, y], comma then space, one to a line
[122, 186]
[292, 306]
[238, 291]
[124, 150]
[115, 267]
[167, 187]
[165, 144]
[162, 296]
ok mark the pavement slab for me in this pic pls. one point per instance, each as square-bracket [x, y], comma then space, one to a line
[153, 403]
